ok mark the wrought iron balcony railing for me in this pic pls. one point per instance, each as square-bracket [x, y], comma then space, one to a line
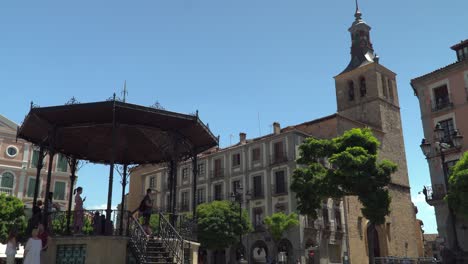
[279, 189]
[257, 194]
[441, 103]
[217, 173]
[278, 158]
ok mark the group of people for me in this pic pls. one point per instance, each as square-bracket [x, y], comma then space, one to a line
[35, 246]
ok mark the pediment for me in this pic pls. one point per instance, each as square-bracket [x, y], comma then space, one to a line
[7, 124]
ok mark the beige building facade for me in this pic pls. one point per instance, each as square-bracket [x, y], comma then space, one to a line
[18, 170]
[367, 96]
[443, 100]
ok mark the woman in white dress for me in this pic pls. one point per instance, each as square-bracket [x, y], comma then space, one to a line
[32, 251]
[11, 248]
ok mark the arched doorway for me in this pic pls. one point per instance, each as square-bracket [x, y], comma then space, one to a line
[259, 252]
[373, 242]
[285, 246]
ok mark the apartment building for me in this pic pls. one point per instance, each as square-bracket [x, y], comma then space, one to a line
[18, 159]
[443, 100]
[262, 167]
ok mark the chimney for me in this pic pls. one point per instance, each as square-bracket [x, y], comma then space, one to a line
[276, 128]
[242, 138]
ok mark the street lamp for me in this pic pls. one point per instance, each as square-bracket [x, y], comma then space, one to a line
[440, 148]
[237, 197]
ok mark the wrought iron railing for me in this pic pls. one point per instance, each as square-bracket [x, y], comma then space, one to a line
[279, 189]
[217, 173]
[441, 103]
[279, 157]
[257, 193]
[171, 239]
[87, 222]
[138, 239]
[7, 191]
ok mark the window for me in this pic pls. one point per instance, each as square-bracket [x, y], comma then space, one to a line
[31, 186]
[6, 182]
[256, 154]
[218, 171]
[201, 169]
[338, 219]
[62, 163]
[384, 86]
[236, 159]
[351, 91]
[441, 98]
[390, 89]
[326, 219]
[185, 173]
[11, 151]
[279, 155]
[362, 86]
[185, 201]
[35, 158]
[218, 192]
[200, 196]
[236, 186]
[280, 186]
[59, 191]
[152, 182]
[449, 130]
[257, 187]
[258, 217]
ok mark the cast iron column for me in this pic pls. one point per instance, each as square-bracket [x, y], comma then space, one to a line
[111, 170]
[49, 176]
[124, 184]
[39, 165]
[73, 164]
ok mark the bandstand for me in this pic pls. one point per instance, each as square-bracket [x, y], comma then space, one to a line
[116, 133]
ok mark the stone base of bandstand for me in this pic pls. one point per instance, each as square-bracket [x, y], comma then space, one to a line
[94, 249]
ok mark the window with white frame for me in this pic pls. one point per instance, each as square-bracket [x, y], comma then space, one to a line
[184, 201]
[62, 163]
[236, 160]
[152, 182]
[31, 186]
[6, 182]
[185, 173]
[35, 158]
[59, 190]
[201, 169]
[201, 196]
[449, 130]
[441, 97]
[12, 151]
[256, 154]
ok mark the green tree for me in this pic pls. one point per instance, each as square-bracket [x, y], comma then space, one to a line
[353, 169]
[11, 216]
[219, 224]
[457, 196]
[278, 223]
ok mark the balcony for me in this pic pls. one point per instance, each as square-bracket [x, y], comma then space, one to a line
[217, 174]
[184, 207]
[279, 189]
[257, 194]
[7, 191]
[278, 158]
[441, 103]
[219, 197]
[434, 193]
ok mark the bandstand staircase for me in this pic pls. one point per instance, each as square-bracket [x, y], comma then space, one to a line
[165, 248]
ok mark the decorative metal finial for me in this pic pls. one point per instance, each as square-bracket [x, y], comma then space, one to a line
[124, 92]
[358, 13]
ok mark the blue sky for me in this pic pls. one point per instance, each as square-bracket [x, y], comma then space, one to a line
[243, 64]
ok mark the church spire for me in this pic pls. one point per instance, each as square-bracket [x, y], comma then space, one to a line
[362, 52]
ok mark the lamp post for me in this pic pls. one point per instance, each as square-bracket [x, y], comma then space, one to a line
[237, 197]
[440, 148]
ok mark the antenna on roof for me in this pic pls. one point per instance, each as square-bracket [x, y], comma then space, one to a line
[124, 92]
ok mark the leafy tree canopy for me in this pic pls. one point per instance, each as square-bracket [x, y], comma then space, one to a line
[345, 165]
[458, 187]
[278, 223]
[219, 224]
[11, 216]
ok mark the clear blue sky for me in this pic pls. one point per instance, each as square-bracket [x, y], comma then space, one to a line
[231, 60]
